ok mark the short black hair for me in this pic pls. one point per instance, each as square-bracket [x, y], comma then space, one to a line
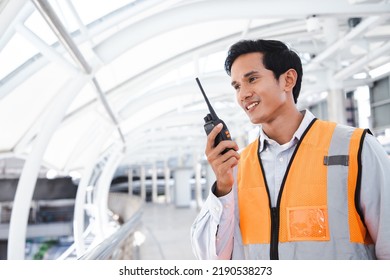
[277, 57]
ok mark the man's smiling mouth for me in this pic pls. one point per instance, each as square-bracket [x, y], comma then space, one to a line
[250, 106]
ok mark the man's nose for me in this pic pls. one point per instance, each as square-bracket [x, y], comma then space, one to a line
[245, 92]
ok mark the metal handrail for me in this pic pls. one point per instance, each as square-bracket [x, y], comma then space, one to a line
[107, 249]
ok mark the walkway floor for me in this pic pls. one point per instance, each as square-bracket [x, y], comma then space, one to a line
[167, 232]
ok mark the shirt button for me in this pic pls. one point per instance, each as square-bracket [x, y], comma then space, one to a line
[281, 159]
[216, 209]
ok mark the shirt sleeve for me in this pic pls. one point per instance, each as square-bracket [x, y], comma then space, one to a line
[213, 229]
[375, 195]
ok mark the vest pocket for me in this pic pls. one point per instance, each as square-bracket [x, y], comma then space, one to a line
[307, 223]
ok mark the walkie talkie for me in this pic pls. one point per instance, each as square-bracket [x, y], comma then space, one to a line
[211, 120]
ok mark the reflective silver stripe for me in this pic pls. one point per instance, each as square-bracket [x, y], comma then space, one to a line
[309, 250]
[338, 186]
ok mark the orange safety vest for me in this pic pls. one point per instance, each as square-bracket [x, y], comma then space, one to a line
[302, 207]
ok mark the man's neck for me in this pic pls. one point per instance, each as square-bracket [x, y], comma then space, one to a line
[283, 127]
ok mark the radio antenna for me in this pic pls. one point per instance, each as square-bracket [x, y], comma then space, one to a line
[212, 112]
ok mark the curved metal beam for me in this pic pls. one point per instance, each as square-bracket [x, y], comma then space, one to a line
[197, 12]
[355, 32]
[60, 31]
[26, 183]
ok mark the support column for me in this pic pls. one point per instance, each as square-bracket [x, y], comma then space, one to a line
[130, 181]
[26, 185]
[79, 208]
[142, 182]
[198, 185]
[101, 196]
[336, 99]
[167, 176]
[154, 183]
[183, 187]
[336, 106]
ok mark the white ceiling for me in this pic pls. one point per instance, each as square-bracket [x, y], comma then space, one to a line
[122, 73]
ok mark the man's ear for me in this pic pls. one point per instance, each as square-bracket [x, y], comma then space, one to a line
[290, 79]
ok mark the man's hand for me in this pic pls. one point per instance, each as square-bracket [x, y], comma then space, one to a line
[222, 164]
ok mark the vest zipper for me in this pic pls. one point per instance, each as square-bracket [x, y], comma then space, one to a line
[275, 222]
[274, 251]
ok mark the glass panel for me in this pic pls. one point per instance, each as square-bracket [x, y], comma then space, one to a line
[13, 55]
[381, 116]
[20, 110]
[380, 91]
[100, 8]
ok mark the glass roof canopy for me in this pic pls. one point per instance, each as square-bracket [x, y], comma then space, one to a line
[87, 76]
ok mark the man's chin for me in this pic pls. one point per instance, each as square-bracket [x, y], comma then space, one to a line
[254, 120]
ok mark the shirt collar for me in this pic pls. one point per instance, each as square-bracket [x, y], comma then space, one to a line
[307, 119]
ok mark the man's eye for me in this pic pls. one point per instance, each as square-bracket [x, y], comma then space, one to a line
[236, 87]
[252, 79]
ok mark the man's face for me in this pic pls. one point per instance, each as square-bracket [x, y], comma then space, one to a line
[258, 92]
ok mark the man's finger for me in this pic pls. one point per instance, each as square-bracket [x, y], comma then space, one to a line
[213, 134]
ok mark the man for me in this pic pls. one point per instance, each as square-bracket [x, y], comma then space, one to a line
[305, 189]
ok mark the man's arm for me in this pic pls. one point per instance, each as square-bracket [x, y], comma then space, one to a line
[375, 195]
[213, 229]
